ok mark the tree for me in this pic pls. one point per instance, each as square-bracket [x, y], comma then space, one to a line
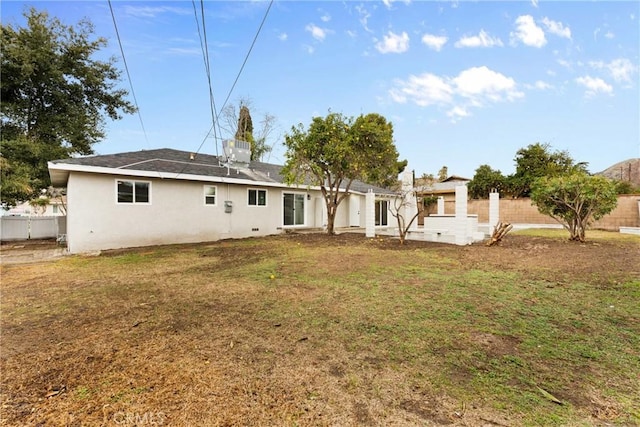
[485, 181]
[537, 160]
[336, 150]
[443, 173]
[574, 200]
[244, 131]
[406, 206]
[239, 123]
[54, 99]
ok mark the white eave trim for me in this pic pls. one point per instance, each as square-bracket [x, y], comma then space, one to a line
[66, 168]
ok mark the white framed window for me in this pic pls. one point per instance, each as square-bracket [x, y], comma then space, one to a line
[210, 193]
[136, 192]
[257, 197]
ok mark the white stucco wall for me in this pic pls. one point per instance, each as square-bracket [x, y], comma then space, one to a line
[176, 213]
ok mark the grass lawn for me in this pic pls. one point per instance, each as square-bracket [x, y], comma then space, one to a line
[314, 330]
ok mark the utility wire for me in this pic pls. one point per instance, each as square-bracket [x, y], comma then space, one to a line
[126, 67]
[246, 58]
[247, 55]
[207, 64]
[207, 68]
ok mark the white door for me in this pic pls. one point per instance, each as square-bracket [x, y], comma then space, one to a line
[354, 211]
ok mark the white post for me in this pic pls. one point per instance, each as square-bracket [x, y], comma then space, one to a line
[461, 216]
[370, 214]
[494, 211]
[410, 203]
[440, 205]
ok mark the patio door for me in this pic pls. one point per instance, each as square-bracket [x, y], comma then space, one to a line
[293, 208]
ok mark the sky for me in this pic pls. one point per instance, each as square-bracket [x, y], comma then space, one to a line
[464, 83]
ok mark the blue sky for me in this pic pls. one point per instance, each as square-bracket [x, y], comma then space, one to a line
[464, 83]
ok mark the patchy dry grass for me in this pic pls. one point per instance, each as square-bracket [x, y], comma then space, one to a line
[350, 331]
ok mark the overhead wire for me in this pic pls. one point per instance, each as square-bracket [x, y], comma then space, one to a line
[244, 62]
[207, 64]
[126, 67]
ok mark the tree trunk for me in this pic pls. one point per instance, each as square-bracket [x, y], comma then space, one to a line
[331, 217]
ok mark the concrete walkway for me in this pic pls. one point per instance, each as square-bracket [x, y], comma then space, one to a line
[30, 251]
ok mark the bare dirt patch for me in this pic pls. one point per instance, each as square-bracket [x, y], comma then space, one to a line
[350, 331]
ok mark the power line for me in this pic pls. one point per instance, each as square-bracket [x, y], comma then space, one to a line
[207, 68]
[126, 67]
[248, 53]
[207, 65]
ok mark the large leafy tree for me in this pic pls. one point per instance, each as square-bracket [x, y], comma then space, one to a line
[486, 180]
[54, 98]
[574, 200]
[336, 150]
[536, 161]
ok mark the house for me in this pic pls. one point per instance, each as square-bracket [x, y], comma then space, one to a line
[55, 207]
[445, 189]
[165, 196]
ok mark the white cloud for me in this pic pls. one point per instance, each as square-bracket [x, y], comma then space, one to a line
[318, 33]
[152, 12]
[528, 32]
[325, 18]
[557, 28]
[481, 40]
[310, 49]
[425, 89]
[542, 85]
[283, 36]
[185, 51]
[456, 113]
[566, 64]
[534, 3]
[594, 85]
[434, 42]
[481, 83]
[472, 88]
[352, 34]
[364, 17]
[388, 3]
[539, 85]
[394, 43]
[620, 69]
[609, 35]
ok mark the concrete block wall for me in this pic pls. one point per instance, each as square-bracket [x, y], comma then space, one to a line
[521, 211]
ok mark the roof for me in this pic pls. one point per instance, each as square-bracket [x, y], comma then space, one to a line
[446, 186]
[455, 178]
[168, 163]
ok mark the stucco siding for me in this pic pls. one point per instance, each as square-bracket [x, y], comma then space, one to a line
[176, 213]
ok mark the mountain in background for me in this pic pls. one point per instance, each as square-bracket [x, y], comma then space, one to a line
[627, 170]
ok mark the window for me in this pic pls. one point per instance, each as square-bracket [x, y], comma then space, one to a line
[55, 209]
[210, 195]
[257, 197]
[133, 191]
[382, 208]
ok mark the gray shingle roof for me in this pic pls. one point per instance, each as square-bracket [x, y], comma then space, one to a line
[169, 161]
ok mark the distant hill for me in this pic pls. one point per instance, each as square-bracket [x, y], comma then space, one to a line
[627, 170]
